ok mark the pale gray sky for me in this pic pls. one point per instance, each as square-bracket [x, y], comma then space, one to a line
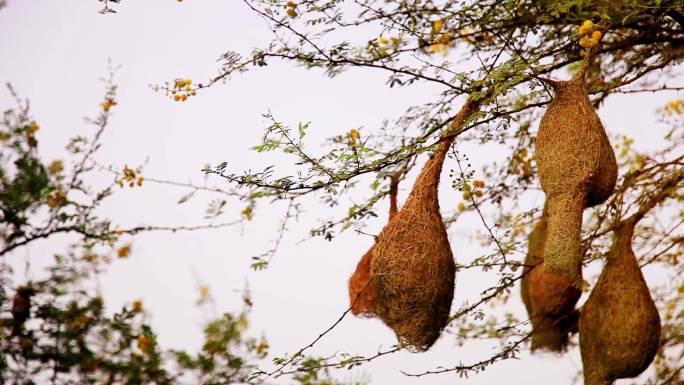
[54, 52]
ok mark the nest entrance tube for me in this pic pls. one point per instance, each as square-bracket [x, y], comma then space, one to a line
[412, 268]
[577, 169]
[619, 324]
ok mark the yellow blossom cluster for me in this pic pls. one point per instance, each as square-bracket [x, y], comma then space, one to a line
[382, 44]
[353, 137]
[131, 177]
[137, 306]
[521, 163]
[675, 107]
[124, 251]
[56, 198]
[145, 344]
[469, 191]
[30, 132]
[248, 213]
[203, 294]
[291, 9]
[182, 90]
[107, 104]
[589, 35]
[441, 41]
[55, 167]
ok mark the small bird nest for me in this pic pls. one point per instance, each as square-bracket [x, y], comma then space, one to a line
[362, 295]
[549, 299]
[619, 324]
[412, 268]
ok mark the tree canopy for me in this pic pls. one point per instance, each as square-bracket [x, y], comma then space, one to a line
[496, 55]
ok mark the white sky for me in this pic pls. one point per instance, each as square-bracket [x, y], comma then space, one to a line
[54, 52]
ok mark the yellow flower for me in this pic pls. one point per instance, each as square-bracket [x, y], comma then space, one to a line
[203, 294]
[292, 4]
[588, 42]
[137, 306]
[479, 193]
[32, 128]
[262, 348]
[144, 344]
[291, 12]
[438, 48]
[56, 199]
[467, 195]
[247, 213]
[124, 251]
[461, 206]
[55, 167]
[586, 27]
[140, 180]
[129, 174]
[383, 40]
[107, 104]
[597, 35]
[180, 83]
[479, 183]
[354, 134]
[437, 25]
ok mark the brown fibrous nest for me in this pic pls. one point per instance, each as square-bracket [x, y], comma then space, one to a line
[550, 299]
[577, 169]
[412, 268]
[362, 294]
[619, 324]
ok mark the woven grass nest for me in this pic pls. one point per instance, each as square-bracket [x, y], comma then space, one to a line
[619, 324]
[577, 169]
[362, 296]
[549, 299]
[412, 268]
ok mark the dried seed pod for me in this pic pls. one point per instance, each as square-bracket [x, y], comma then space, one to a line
[549, 299]
[619, 325]
[412, 269]
[577, 169]
[362, 295]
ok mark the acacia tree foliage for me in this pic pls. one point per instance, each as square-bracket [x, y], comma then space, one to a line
[491, 52]
[57, 328]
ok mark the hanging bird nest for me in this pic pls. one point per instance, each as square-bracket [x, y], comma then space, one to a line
[577, 169]
[362, 294]
[619, 324]
[549, 299]
[412, 268]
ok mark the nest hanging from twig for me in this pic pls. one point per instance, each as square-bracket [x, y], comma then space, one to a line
[412, 269]
[549, 299]
[619, 324]
[362, 296]
[577, 169]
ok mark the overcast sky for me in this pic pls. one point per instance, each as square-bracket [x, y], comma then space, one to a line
[54, 52]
